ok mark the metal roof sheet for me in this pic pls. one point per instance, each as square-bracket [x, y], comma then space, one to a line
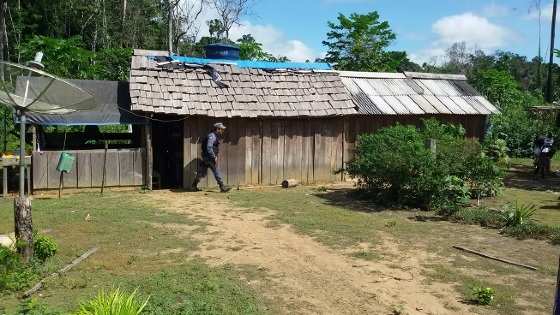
[414, 93]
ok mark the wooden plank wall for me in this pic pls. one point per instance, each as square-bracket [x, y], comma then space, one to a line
[266, 151]
[124, 168]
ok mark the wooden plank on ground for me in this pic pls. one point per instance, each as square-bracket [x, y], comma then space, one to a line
[126, 167]
[40, 168]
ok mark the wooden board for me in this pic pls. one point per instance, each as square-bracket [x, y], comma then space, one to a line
[96, 168]
[126, 168]
[139, 165]
[83, 160]
[307, 153]
[112, 176]
[266, 153]
[40, 170]
[53, 176]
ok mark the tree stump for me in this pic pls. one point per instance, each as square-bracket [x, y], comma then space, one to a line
[23, 227]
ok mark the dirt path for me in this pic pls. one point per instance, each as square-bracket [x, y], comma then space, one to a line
[304, 276]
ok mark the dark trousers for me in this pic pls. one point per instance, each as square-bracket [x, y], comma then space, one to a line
[203, 172]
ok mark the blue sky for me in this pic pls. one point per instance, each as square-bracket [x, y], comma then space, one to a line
[425, 28]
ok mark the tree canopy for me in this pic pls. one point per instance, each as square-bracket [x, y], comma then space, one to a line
[359, 42]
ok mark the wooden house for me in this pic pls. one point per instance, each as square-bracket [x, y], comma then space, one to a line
[282, 122]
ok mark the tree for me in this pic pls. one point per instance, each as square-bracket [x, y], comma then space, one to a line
[230, 12]
[358, 42]
[250, 49]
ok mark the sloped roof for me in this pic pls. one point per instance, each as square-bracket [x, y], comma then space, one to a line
[414, 93]
[188, 89]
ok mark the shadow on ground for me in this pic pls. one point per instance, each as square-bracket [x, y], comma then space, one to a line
[522, 177]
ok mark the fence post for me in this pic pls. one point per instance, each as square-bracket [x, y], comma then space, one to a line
[431, 144]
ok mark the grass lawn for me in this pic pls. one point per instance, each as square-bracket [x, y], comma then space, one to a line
[341, 222]
[133, 253]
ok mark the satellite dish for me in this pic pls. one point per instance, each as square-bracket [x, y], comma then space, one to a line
[29, 89]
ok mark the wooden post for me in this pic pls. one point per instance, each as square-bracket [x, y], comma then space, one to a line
[4, 181]
[149, 155]
[28, 177]
[23, 227]
[104, 167]
[431, 144]
[556, 310]
[33, 138]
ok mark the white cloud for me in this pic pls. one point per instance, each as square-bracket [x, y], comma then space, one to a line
[476, 31]
[274, 41]
[472, 29]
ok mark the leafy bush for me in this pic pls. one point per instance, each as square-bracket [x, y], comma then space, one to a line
[114, 303]
[497, 150]
[482, 296]
[394, 166]
[482, 216]
[532, 230]
[14, 275]
[518, 215]
[44, 247]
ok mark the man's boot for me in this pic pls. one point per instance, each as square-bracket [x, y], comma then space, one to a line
[194, 186]
[224, 188]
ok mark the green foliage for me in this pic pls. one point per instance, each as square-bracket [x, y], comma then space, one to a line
[358, 42]
[250, 49]
[482, 296]
[497, 150]
[115, 302]
[68, 58]
[44, 247]
[515, 125]
[480, 216]
[517, 214]
[14, 275]
[34, 307]
[395, 166]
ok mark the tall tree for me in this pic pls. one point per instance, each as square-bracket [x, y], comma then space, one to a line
[358, 42]
[230, 12]
[250, 49]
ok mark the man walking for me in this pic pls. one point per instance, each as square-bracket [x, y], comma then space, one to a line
[210, 151]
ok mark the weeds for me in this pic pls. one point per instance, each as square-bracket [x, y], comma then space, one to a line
[482, 296]
[518, 215]
[115, 302]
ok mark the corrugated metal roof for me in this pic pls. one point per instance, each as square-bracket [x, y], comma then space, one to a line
[414, 93]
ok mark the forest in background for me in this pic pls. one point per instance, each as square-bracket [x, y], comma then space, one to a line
[93, 39]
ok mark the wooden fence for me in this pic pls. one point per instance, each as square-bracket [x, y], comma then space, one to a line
[125, 167]
[266, 151]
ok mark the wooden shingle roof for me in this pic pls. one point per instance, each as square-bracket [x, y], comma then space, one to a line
[241, 92]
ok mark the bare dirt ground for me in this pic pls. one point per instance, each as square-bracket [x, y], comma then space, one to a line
[302, 275]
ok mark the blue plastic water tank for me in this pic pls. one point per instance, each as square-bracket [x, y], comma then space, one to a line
[222, 51]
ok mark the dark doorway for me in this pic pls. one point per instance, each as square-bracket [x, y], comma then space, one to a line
[168, 154]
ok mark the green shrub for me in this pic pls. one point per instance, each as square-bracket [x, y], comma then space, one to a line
[531, 230]
[482, 296]
[395, 167]
[481, 216]
[44, 247]
[14, 275]
[517, 214]
[497, 150]
[114, 303]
